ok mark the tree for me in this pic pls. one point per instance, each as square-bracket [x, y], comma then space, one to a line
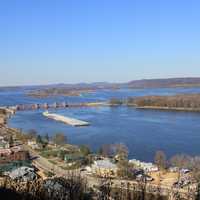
[115, 102]
[32, 134]
[180, 161]
[39, 140]
[11, 141]
[121, 155]
[72, 187]
[107, 150]
[60, 139]
[124, 169]
[85, 150]
[130, 101]
[121, 151]
[46, 137]
[61, 154]
[195, 166]
[160, 160]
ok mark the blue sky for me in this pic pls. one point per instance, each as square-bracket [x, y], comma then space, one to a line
[67, 41]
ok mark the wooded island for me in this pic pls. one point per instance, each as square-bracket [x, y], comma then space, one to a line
[182, 102]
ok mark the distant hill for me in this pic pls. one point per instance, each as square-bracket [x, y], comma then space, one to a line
[165, 83]
[144, 83]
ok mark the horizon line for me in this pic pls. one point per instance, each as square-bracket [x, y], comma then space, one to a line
[77, 83]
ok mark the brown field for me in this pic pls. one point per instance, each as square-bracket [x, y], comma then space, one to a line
[164, 178]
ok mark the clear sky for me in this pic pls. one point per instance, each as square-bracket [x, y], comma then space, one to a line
[67, 41]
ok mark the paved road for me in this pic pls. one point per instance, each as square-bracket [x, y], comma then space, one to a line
[44, 164]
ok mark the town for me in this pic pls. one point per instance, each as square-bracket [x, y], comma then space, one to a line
[28, 157]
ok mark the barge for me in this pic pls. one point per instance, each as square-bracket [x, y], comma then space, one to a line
[66, 120]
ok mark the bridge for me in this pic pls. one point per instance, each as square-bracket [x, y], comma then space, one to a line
[55, 105]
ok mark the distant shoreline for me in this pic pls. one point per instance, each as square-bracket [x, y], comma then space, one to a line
[168, 108]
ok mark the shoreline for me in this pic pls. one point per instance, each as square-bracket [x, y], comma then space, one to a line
[167, 108]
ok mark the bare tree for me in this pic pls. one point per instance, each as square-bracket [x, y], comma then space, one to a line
[160, 159]
[107, 150]
[72, 187]
[115, 102]
[180, 161]
[121, 150]
[59, 139]
[32, 134]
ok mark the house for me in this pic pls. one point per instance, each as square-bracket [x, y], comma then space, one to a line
[33, 144]
[16, 154]
[104, 168]
[173, 169]
[147, 167]
[5, 152]
[19, 156]
[4, 144]
[2, 120]
[17, 148]
[23, 173]
[72, 158]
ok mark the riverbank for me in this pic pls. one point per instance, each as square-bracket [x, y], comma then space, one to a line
[168, 108]
[181, 102]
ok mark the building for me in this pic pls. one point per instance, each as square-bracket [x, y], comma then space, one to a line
[4, 144]
[20, 156]
[104, 168]
[23, 173]
[147, 167]
[72, 158]
[33, 144]
[2, 120]
[173, 169]
[5, 152]
[13, 154]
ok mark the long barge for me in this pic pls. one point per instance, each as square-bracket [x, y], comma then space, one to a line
[66, 120]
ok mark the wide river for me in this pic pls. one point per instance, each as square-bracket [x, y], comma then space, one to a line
[143, 131]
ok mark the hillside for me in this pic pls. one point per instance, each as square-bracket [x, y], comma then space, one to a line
[165, 83]
[77, 89]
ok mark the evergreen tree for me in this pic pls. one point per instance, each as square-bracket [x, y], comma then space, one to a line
[39, 139]
[46, 137]
[11, 142]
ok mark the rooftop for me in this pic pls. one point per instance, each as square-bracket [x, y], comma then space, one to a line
[105, 164]
[25, 173]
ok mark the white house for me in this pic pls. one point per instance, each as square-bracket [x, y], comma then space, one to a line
[104, 168]
[148, 167]
[33, 144]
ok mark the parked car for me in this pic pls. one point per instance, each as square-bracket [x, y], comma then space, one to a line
[182, 183]
[184, 171]
[137, 172]
[143, 177]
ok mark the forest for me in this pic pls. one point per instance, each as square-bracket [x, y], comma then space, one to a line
[184, 101]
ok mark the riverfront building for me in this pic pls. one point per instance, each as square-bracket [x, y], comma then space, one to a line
[104, 168]
[147, 167]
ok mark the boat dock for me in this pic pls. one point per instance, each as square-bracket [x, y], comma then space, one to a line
[66, 120]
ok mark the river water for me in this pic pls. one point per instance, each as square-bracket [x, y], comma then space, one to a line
[143, 131]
